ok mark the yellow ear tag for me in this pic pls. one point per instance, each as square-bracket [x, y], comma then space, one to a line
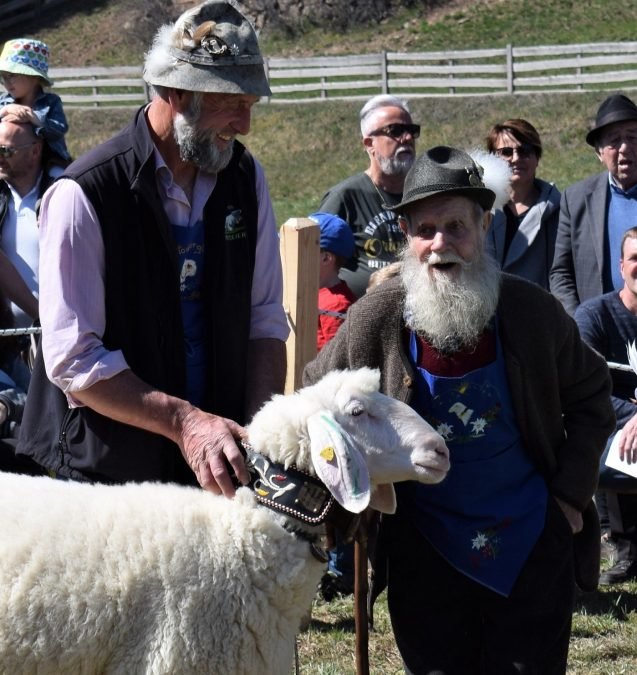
[328, 453]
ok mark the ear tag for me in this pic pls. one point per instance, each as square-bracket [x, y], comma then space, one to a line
[337, 462]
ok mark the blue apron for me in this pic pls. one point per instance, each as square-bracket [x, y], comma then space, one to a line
[190, 250]
[488, 513]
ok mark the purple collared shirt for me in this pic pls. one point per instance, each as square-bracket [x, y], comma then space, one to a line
[72, 277]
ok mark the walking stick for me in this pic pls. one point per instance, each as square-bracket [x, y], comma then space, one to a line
[360, 598]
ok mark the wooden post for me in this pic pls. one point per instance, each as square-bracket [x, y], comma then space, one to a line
[300, 261]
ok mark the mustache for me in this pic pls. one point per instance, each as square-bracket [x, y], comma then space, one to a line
[446, 259]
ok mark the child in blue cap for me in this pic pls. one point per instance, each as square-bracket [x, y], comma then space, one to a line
[337, 247]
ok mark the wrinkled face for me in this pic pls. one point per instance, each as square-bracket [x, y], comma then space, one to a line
[451, 284]
[394, 155]
[445, 231]
[206, 130]
[520, 156]
[617, 151]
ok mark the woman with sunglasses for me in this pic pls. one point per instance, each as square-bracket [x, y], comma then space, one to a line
[522, 234]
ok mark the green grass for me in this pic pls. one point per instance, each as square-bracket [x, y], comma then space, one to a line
[489, 23]
[602, 642]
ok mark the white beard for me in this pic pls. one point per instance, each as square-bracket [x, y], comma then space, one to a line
[398, 164]
[451, 313]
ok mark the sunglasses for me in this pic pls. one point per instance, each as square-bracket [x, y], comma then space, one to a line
[397, 131]
[524, 150]
[10, 150]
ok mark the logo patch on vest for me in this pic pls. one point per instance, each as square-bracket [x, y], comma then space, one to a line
[234, 226]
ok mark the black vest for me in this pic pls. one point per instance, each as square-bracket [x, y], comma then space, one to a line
[143, 316]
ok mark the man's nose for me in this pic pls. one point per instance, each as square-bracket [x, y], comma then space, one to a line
[242, 121]
[439, 242]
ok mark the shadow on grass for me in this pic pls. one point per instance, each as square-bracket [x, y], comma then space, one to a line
[345, 624]
[617, 601]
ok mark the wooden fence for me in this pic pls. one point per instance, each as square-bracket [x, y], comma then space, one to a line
[502, 71]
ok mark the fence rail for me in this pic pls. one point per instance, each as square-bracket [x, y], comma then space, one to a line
[507, 70]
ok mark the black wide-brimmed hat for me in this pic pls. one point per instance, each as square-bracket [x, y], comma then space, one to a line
[444, 170]
[616, 108]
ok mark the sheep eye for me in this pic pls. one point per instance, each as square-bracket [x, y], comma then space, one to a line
[356, 410]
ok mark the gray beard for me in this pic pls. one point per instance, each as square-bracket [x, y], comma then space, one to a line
[451, 314]
[198, 147]
[397, 165]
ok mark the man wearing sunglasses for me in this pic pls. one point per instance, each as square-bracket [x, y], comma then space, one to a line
[389, 138]
[23, 181]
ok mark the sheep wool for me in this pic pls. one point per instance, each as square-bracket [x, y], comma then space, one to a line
[163, 579]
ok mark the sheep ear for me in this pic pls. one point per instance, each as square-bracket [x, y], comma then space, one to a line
[338, 463]
[383, 498]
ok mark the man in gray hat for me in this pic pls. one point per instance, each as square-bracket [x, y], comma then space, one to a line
[163, 328]
[481, 568]
[595, 212]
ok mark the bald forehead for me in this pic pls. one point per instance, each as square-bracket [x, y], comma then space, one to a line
[19, 133]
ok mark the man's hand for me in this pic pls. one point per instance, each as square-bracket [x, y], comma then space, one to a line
[628, 441]
[573, 516]
[208, 443]
[20, 114]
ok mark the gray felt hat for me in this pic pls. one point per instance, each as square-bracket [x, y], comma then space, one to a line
[444, 170]
[616, 108]
[210, 48]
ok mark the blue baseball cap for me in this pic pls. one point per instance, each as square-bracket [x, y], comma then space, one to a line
[336, 234]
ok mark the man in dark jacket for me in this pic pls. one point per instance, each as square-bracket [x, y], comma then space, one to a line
[161, 287]
[481, 568]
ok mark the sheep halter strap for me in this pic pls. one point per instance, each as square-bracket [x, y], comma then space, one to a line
[290, 491]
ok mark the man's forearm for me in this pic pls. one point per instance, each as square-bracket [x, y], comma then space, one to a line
[128, 399]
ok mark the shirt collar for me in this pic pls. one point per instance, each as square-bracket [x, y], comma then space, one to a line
[615, 188]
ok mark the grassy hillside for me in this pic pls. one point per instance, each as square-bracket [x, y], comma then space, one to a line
[306, 148]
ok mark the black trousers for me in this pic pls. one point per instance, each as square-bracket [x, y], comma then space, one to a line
[445, 623]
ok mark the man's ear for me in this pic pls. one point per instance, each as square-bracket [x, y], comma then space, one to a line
[179, 99]
[486, 220]
[404, 226]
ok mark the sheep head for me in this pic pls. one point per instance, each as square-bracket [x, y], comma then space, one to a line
[357, 440]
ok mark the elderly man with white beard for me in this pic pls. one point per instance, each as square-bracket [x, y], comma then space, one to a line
[161, 285]
[481, 569]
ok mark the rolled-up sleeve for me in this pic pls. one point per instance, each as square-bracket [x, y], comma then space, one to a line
[268, 318]
[72, 310]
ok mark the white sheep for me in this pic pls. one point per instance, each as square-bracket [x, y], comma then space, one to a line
[155, 578]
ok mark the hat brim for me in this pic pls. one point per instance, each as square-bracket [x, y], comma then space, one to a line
[480, 195]
[19, 69]
[619, 116]
[246, 80]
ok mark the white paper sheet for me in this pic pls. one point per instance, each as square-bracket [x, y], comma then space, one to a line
[613, 461]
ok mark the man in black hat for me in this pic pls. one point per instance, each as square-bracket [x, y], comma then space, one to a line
[481, 568]
[595, 212]
[163, 327]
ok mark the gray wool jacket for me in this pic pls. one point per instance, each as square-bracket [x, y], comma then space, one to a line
[560, 388]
